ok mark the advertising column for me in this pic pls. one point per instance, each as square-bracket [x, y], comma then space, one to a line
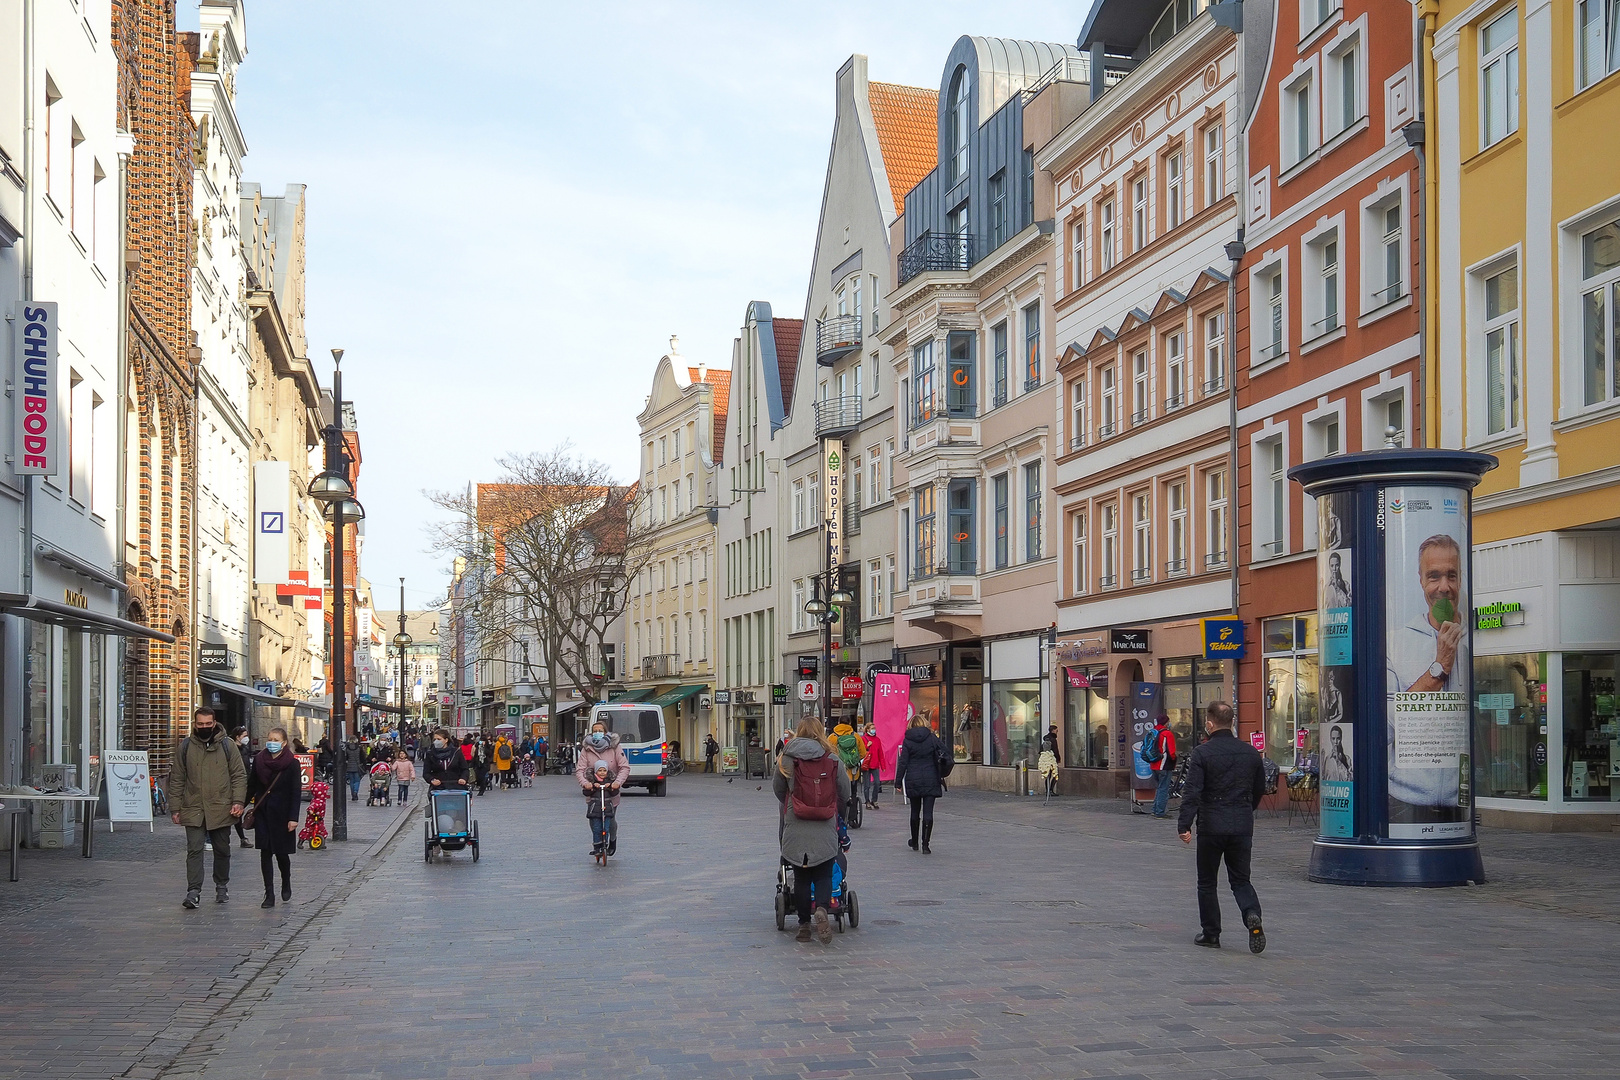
[1396, 668]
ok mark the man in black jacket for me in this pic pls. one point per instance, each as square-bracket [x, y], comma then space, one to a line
[1225, 783]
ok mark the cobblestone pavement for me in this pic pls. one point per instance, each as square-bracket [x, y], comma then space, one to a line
[106, 975]
[1035, 942]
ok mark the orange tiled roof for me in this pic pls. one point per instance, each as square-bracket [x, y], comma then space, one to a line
[787, 332]
[720, 400]
[907, 121]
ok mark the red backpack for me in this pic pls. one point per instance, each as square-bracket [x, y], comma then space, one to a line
[815, 788]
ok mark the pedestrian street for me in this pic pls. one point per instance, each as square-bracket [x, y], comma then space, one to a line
[1036, 941]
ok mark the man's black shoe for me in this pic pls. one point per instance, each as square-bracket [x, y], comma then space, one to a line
[1257, 935]
[1206, 941]
[191, 901]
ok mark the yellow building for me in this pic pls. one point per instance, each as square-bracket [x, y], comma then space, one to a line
[671, 657]
[1523, 258]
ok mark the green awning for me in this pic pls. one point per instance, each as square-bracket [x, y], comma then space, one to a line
[634, 695]
[679, 694]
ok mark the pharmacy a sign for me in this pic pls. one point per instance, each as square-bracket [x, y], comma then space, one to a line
[38, 432]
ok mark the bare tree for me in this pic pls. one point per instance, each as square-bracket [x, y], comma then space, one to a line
[550, 550]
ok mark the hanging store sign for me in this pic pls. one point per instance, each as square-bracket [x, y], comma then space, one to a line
[214, 657]
[1223, 639]
[36, 448]
[272, 546]
[832, 497]
[852, 686]
[722, 697]
[779, 694]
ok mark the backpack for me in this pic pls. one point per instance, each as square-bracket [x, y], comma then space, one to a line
[815, 789]
[1153, 747]
[849, 751]
[503, 754]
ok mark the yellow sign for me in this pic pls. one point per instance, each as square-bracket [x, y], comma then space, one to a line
[76, 599]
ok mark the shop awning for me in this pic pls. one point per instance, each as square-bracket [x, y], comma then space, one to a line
[679, 694]
[252, 693]
[74, 618]
[633, 695]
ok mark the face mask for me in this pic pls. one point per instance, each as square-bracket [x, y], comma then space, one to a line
[597, 740]
[273, 746]
[206, 734]
[438, 744]
[243, 740]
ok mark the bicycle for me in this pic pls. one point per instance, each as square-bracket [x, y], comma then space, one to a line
[674, 767]
[160, 801]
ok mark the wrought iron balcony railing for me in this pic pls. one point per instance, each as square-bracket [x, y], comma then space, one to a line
[660, 666]
[838, 415]
[936, 251]
[837, 337]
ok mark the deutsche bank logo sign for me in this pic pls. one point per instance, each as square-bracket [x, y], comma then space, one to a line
[272, 521]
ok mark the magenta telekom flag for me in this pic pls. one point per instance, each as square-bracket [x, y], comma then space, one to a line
[891, 707]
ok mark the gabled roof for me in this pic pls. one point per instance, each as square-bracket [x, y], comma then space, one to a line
[787, 333]
[906, 118]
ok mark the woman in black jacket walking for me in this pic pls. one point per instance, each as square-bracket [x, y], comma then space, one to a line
[444, 766]
[921, 764]
[273, 789]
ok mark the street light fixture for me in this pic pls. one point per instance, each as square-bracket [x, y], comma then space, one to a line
[333, 489]
[402, 641]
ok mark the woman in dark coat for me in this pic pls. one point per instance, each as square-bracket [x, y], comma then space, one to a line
[445, 765]
[273, 789]
[919, 768]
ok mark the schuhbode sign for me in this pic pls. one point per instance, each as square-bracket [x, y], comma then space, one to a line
[36, 444]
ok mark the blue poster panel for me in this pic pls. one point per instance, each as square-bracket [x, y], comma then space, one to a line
[1338, 779]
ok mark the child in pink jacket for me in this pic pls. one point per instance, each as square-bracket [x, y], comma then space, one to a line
[404, 773]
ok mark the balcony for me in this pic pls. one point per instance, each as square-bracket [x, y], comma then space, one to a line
[1077, 443]
[1214, 386]
[837, 416]
[945, 595]
[1140, 417]
[935, 251]
[1141, 575]
[836, 338]
[661, 666]
[1175, 567]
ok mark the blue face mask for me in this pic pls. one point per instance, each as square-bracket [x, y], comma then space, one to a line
[597, 739]
[273, 746]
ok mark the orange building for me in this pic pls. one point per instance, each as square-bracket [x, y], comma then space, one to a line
[1327, 324]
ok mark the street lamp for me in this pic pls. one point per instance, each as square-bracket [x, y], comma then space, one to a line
[402, 641]
[826, 612]
[523, 689]
[334, 491]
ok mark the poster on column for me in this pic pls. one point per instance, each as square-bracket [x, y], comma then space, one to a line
[891, 711]
[1338, 778]
[1428, 660]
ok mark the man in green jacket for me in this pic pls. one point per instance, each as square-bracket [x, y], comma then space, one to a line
[207, 787]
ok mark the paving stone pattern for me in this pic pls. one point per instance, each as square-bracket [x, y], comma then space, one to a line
[1035, 942]
[106, 975]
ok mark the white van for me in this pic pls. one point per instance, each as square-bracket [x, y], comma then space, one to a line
[640, 728]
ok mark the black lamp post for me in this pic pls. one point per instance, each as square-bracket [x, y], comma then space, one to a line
[826, 612]
[402, 641]
[332, 489]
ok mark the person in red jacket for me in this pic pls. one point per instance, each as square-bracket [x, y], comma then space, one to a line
[1162, 741]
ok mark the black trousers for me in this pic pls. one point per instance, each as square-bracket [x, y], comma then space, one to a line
[267, 869]
[820, 876]
[1236, 850]
[922, 807]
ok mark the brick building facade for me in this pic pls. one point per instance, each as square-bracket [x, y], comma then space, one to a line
[154, 78]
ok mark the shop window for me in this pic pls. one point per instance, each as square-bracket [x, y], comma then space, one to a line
[1510, 726]
[1288, 648]
[1591, 730]
[1015, 722]
[966, 734]
[1190, 686]
[1085, 717]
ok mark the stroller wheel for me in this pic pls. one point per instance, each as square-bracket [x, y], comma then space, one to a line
[781, 910]
[853, 909]
[839, 919]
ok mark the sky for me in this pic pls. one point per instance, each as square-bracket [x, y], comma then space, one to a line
[511, 211]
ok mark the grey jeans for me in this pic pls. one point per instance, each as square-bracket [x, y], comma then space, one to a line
[221, 839]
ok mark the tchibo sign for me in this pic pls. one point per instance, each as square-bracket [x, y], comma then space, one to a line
[35, 446]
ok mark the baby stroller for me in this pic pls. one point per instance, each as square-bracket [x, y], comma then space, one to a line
[843, 904]
[313, 834]
[379, 795]
[449, 825]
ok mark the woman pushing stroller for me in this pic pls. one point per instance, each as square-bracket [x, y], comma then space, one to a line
[600, 750]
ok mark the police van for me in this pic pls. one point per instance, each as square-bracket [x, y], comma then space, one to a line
[640, 728]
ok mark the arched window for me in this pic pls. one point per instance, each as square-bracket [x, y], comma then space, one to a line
[959, 125]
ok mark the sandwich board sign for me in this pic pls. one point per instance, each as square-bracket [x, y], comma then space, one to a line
[129, 787]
